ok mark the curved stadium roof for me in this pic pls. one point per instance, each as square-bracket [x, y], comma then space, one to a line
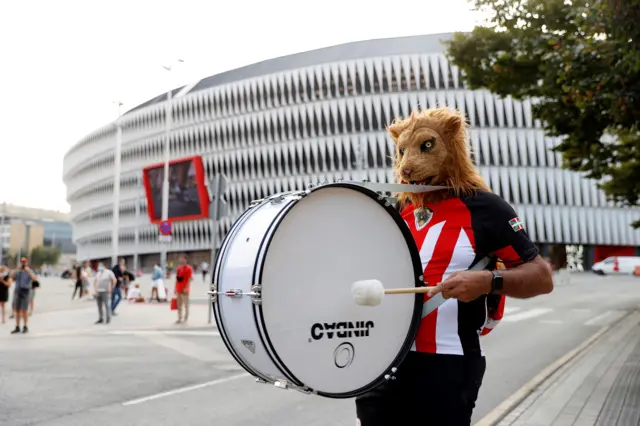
[341, 52]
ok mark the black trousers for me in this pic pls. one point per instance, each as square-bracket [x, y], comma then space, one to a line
[428, 390]
[78, 289]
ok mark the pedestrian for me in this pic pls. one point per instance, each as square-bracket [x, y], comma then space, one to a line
[157, 284]
[87, 273]
[5, 284]
[103, 285]
[78, 287]
[184, 276]
[116, 296]
[34, 285]
[23, 278]
[204, 267]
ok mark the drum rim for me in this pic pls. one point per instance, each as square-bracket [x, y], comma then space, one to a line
[215, 278]
[418, 275]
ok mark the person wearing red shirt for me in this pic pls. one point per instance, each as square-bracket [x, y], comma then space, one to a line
[184, 275]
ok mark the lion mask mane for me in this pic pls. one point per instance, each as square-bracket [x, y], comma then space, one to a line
[432, 148]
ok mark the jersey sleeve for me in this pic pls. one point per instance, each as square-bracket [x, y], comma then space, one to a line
[507, 235]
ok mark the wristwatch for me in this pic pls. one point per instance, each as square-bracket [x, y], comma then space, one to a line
[496, 283]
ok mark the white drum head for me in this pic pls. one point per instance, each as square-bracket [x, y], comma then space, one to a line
[332, 237]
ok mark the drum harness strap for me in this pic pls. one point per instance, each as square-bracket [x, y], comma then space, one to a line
[398, 187]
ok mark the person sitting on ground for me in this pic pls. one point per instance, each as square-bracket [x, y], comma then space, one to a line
[135, 295]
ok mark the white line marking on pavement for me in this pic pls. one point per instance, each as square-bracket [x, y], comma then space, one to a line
[581, 311]
[532, 313]
[611, 316]
[598, 319]
[510, 309]
[165, 332]
[551, 322]
[185, 389]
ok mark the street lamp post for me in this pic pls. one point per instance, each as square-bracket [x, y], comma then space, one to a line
[136, 241]
[115, 231]
[167, 158]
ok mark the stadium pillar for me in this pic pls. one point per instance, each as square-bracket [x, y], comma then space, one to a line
[589, 254]
[115, 231]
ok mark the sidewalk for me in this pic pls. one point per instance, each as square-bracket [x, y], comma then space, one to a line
[600, 386]
[55, 314]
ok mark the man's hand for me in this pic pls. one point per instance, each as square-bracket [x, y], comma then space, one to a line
[32, 275]
[465, 286]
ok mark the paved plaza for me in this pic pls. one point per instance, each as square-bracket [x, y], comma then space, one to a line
[142, 369]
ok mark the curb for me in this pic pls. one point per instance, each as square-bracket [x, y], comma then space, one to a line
[512, 402]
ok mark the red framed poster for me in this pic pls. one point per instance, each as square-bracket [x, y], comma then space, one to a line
[188, 195]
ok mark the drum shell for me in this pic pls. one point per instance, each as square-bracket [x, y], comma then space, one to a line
[237, 263]
[241, 261]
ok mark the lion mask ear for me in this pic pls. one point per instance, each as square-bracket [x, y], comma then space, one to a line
[394, 130]
[452, 125]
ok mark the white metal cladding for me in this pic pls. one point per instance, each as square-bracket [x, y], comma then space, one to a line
[285, 130]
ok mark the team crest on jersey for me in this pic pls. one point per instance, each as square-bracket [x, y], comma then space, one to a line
[423, 216]
[516, 224]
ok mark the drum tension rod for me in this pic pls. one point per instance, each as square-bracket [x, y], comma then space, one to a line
[255, 293]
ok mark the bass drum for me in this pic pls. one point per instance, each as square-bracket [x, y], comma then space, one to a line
[282, 282]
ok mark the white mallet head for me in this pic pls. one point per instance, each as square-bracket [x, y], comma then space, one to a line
[367, 292]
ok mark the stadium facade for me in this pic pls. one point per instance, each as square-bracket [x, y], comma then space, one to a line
[284, 123]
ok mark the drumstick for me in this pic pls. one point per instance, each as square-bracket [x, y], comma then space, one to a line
[371, 292]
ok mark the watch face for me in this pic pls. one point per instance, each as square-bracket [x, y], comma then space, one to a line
[496, 283]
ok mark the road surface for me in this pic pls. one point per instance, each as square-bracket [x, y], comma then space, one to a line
[142, 370]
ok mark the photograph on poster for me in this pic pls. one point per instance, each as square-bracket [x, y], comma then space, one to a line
[184, 191]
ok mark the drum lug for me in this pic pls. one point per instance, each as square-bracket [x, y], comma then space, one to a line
[389, 377]
[255, 293]
[277, 199]
[213, 292]
[261, 381]
[256, 298]
[283, 384]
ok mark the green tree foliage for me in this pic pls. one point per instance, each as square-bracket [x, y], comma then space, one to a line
[579, 61]
[44, 255]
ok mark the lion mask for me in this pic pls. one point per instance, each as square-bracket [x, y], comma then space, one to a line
[432, 148]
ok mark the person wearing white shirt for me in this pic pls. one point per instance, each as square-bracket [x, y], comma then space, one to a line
[103, 284]
[204, 267]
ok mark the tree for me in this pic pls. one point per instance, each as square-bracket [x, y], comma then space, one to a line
[579, 61]
[44, 255]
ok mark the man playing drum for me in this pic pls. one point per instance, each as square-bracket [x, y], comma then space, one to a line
[455, 230]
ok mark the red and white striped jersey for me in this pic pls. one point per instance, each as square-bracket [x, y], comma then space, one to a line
[456, 234]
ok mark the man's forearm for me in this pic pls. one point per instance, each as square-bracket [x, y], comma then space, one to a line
[527, 280]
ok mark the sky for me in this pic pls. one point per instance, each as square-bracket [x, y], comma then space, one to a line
[63, 63]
